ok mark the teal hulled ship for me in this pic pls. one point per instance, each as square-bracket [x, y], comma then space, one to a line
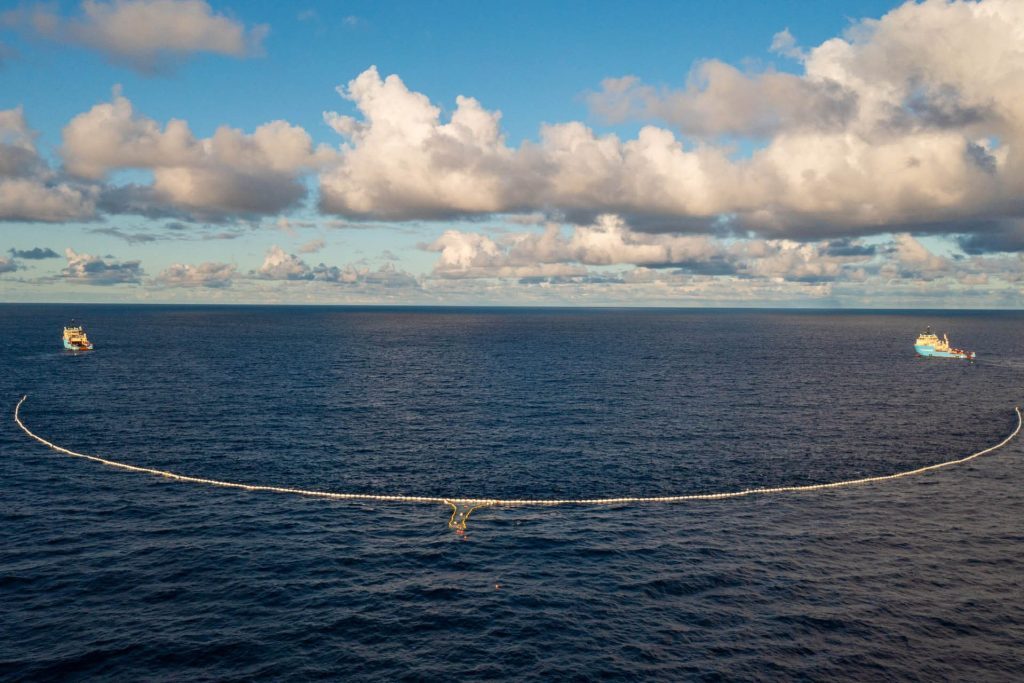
[929, 344]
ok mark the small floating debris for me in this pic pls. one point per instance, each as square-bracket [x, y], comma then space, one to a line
[929, 344]
[75, 338]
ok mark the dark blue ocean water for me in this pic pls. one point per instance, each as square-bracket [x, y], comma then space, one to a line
[109, 574]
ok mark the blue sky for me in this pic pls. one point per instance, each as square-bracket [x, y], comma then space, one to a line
[804, 154]
[531, 60]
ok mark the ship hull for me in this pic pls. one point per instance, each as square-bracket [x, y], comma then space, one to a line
[75, 347]
[930, 352]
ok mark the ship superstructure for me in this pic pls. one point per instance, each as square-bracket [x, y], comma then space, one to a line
[929, 344]
[75, 339]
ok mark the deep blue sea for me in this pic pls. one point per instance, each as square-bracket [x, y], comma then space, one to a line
[106, 574]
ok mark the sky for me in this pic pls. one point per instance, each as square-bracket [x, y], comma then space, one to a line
[786, 154]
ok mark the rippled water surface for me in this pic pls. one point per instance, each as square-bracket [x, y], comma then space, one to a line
[105, 573]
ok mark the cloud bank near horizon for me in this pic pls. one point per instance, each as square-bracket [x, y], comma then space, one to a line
[605, 262]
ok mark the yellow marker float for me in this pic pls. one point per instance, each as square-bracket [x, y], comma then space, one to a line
[463, 507]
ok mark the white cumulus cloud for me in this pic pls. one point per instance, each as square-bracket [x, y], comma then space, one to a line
[610, 242]
[95, 270]
[8, 265]
[147, 35]
[210, 275]
[401, 161]
[231, 172]
[280, 265]
[911, 122]
[29, 189]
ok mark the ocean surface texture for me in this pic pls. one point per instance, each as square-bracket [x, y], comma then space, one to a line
[110, 574]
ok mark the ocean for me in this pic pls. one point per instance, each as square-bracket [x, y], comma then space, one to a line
[106, 574]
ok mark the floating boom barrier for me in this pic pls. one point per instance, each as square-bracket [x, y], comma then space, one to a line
[463, 507]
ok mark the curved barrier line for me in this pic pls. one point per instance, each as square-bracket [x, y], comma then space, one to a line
[478, 502]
